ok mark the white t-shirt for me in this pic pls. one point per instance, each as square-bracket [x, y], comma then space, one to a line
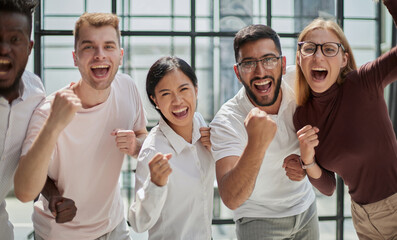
[274, 195]
[14, 120]
[182, 209]
[86, 163]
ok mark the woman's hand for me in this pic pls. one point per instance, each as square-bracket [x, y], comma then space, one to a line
[160, 169]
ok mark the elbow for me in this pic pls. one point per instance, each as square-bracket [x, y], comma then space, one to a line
[329, 191]
[231, 203]
[23, 196]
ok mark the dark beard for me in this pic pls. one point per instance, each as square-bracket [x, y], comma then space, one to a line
[14, 88]
[255, 100]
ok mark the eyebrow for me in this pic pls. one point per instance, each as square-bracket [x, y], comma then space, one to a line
[261, 57]
[166, 89]
[90, 42]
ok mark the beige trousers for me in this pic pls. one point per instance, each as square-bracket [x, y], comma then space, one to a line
[376, 220]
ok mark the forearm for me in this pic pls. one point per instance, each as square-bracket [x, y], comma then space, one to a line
[237, 185]
[31, 173]
[49, 189]
[326, 183]
[146, 209]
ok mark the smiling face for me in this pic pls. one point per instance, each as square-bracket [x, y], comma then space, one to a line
[15, 48]
[262, 85]
[98, 55]
[176, 96]
[321, 72]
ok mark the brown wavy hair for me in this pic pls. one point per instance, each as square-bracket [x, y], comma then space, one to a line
[96, 20]
[302, 89]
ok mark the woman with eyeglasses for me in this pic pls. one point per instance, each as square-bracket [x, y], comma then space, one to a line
[344, 127]
[174, 181]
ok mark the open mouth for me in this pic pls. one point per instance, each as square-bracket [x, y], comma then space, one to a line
[180, 112]
[319, 73]
[100, 70]
[5, 66]
[263, 86]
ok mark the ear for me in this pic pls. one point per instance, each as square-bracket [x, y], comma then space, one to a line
[154, 100]
[345, 58]
[284, 61]
[298, 59]
[235, 67]
[74, 58]
[31, 44]
[121, 56]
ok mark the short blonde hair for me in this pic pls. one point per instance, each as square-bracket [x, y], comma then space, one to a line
[96, 20]
[302, 89]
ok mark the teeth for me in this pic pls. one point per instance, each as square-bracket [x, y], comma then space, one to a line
[263, 83]
[99, 66]
[319, 69]
[3, 61]
[180, 110]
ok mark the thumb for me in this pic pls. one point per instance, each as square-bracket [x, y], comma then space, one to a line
[168, 156]
[115, 131]
[52, 206]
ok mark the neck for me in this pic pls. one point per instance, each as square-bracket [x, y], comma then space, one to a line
[11, 93]
[89, 96]
[186, 132]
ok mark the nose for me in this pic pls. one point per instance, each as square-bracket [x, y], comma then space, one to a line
[176, 100]
[260, 68]
[319, 52]
[99, 54]
[4, 48]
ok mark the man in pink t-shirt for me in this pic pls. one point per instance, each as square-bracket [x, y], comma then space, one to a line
[74, 138]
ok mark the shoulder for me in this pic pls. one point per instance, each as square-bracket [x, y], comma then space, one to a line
[156, 140]
[33, 83]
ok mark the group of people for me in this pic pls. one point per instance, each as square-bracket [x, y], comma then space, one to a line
[266, 146]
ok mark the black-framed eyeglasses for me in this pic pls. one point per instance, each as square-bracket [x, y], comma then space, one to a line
[267, 62]
[329, 49]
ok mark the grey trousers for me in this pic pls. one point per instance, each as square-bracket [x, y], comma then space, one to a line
[301, 226]
[121, 232]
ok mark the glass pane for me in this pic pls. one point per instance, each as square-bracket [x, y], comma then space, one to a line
[60, 23]
[204, 25]
[58, 52]
[366, 9]
[362, 42]
[326, 206]
[63, 7]
[55, 79]
[283, 25]
[283, 8]
[156, 7]
[182, 7]
[288, 46]
[327, 230]
[99, 6]
[349, 233]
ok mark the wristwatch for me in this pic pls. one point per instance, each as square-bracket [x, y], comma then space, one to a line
[306, 166]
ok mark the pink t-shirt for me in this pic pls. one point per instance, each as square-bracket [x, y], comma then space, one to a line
[86, 163]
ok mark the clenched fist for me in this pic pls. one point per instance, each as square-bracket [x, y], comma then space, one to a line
[63, 109]
[261, 129]
[160, 169]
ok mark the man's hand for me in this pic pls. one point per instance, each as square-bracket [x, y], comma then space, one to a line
[205, 137]
[63, 109]
[293, 168]
[160, 169]
[63, 209]
[308, 140]
[126, 141]
[261, 129]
